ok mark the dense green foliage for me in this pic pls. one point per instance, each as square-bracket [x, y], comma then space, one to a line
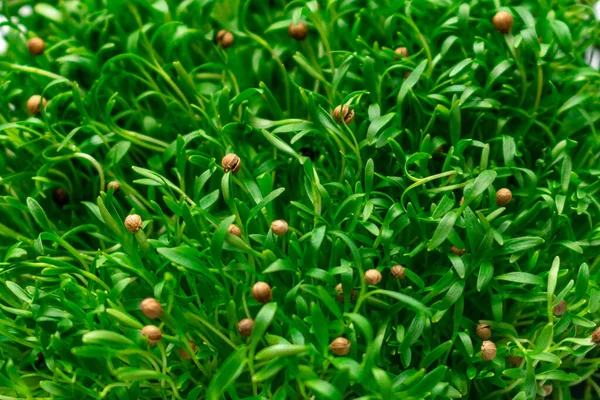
[139, 92]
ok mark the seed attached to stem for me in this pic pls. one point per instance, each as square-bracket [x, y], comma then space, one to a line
[261, 291]
[234, 230]
[184, 354]
[488, 350]
[503, 197]
[483, 331]
[224, 38]
[457, 251]
[245, 327]
[503, 22]
[559, 309]
[343, 112]
[231, 162]
[401, 51]
[372, 277]
[514, 360]
[152, 333]
[36, 46]
[398, 272]
[547, 390]
[298, 32]
[596, 336]
[133, 223]
[279, 227]
[33, 104]
[115, 185]
[60, 197]
[340, 346]
[340, 296]
[151, 308]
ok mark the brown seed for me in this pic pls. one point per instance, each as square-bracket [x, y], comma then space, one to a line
[514, 360]
[398, 272]
[343, 112]
[340, 346]
[483, 331]
[60, 197]
[488, 350]
[224, 38]
[279, 227]
[503, 197]
[36, 46]
[462, 201]
[503, 22]
[133, 223]
[234, 230]
[457, 251]
[261, 291]
[401, 51]
[372, 277]
[183, 352]
[596, 336]
[115, 185]
[298, 32]
[231, 162]
[406, 75]
[152, 333]
[245, 327]
[340, 296]
[33, 104]
[547, 390]
[151, 308]
[559, 309]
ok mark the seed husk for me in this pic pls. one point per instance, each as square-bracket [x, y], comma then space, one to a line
[153, 334]
[151, 308]
[398, 272]
[235, 230]
[261, 291]
[503, 22]
[299, 31]
[372, 277]
[36, 46]
[231, 162]
[224, 38]
[343, 113]
[245, 327]
[488, 350]
[115, 185]
[33, 104]
[483, 331]
[279, 227]
[503, 197]
[340, 346]
[559, 309]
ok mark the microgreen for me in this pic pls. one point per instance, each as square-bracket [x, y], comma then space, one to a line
[310, 199]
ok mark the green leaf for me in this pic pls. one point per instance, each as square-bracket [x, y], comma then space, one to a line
[227, 374]
[521, 244]
[411, 81]
[563, 35]
[38, 214]
[19, 292]
[443, 230]
[521, 277]
[261, 323]
[483, 181]
[544, 340]
[106, 338]
[378, 124]
[280, 350]
[323, 390]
